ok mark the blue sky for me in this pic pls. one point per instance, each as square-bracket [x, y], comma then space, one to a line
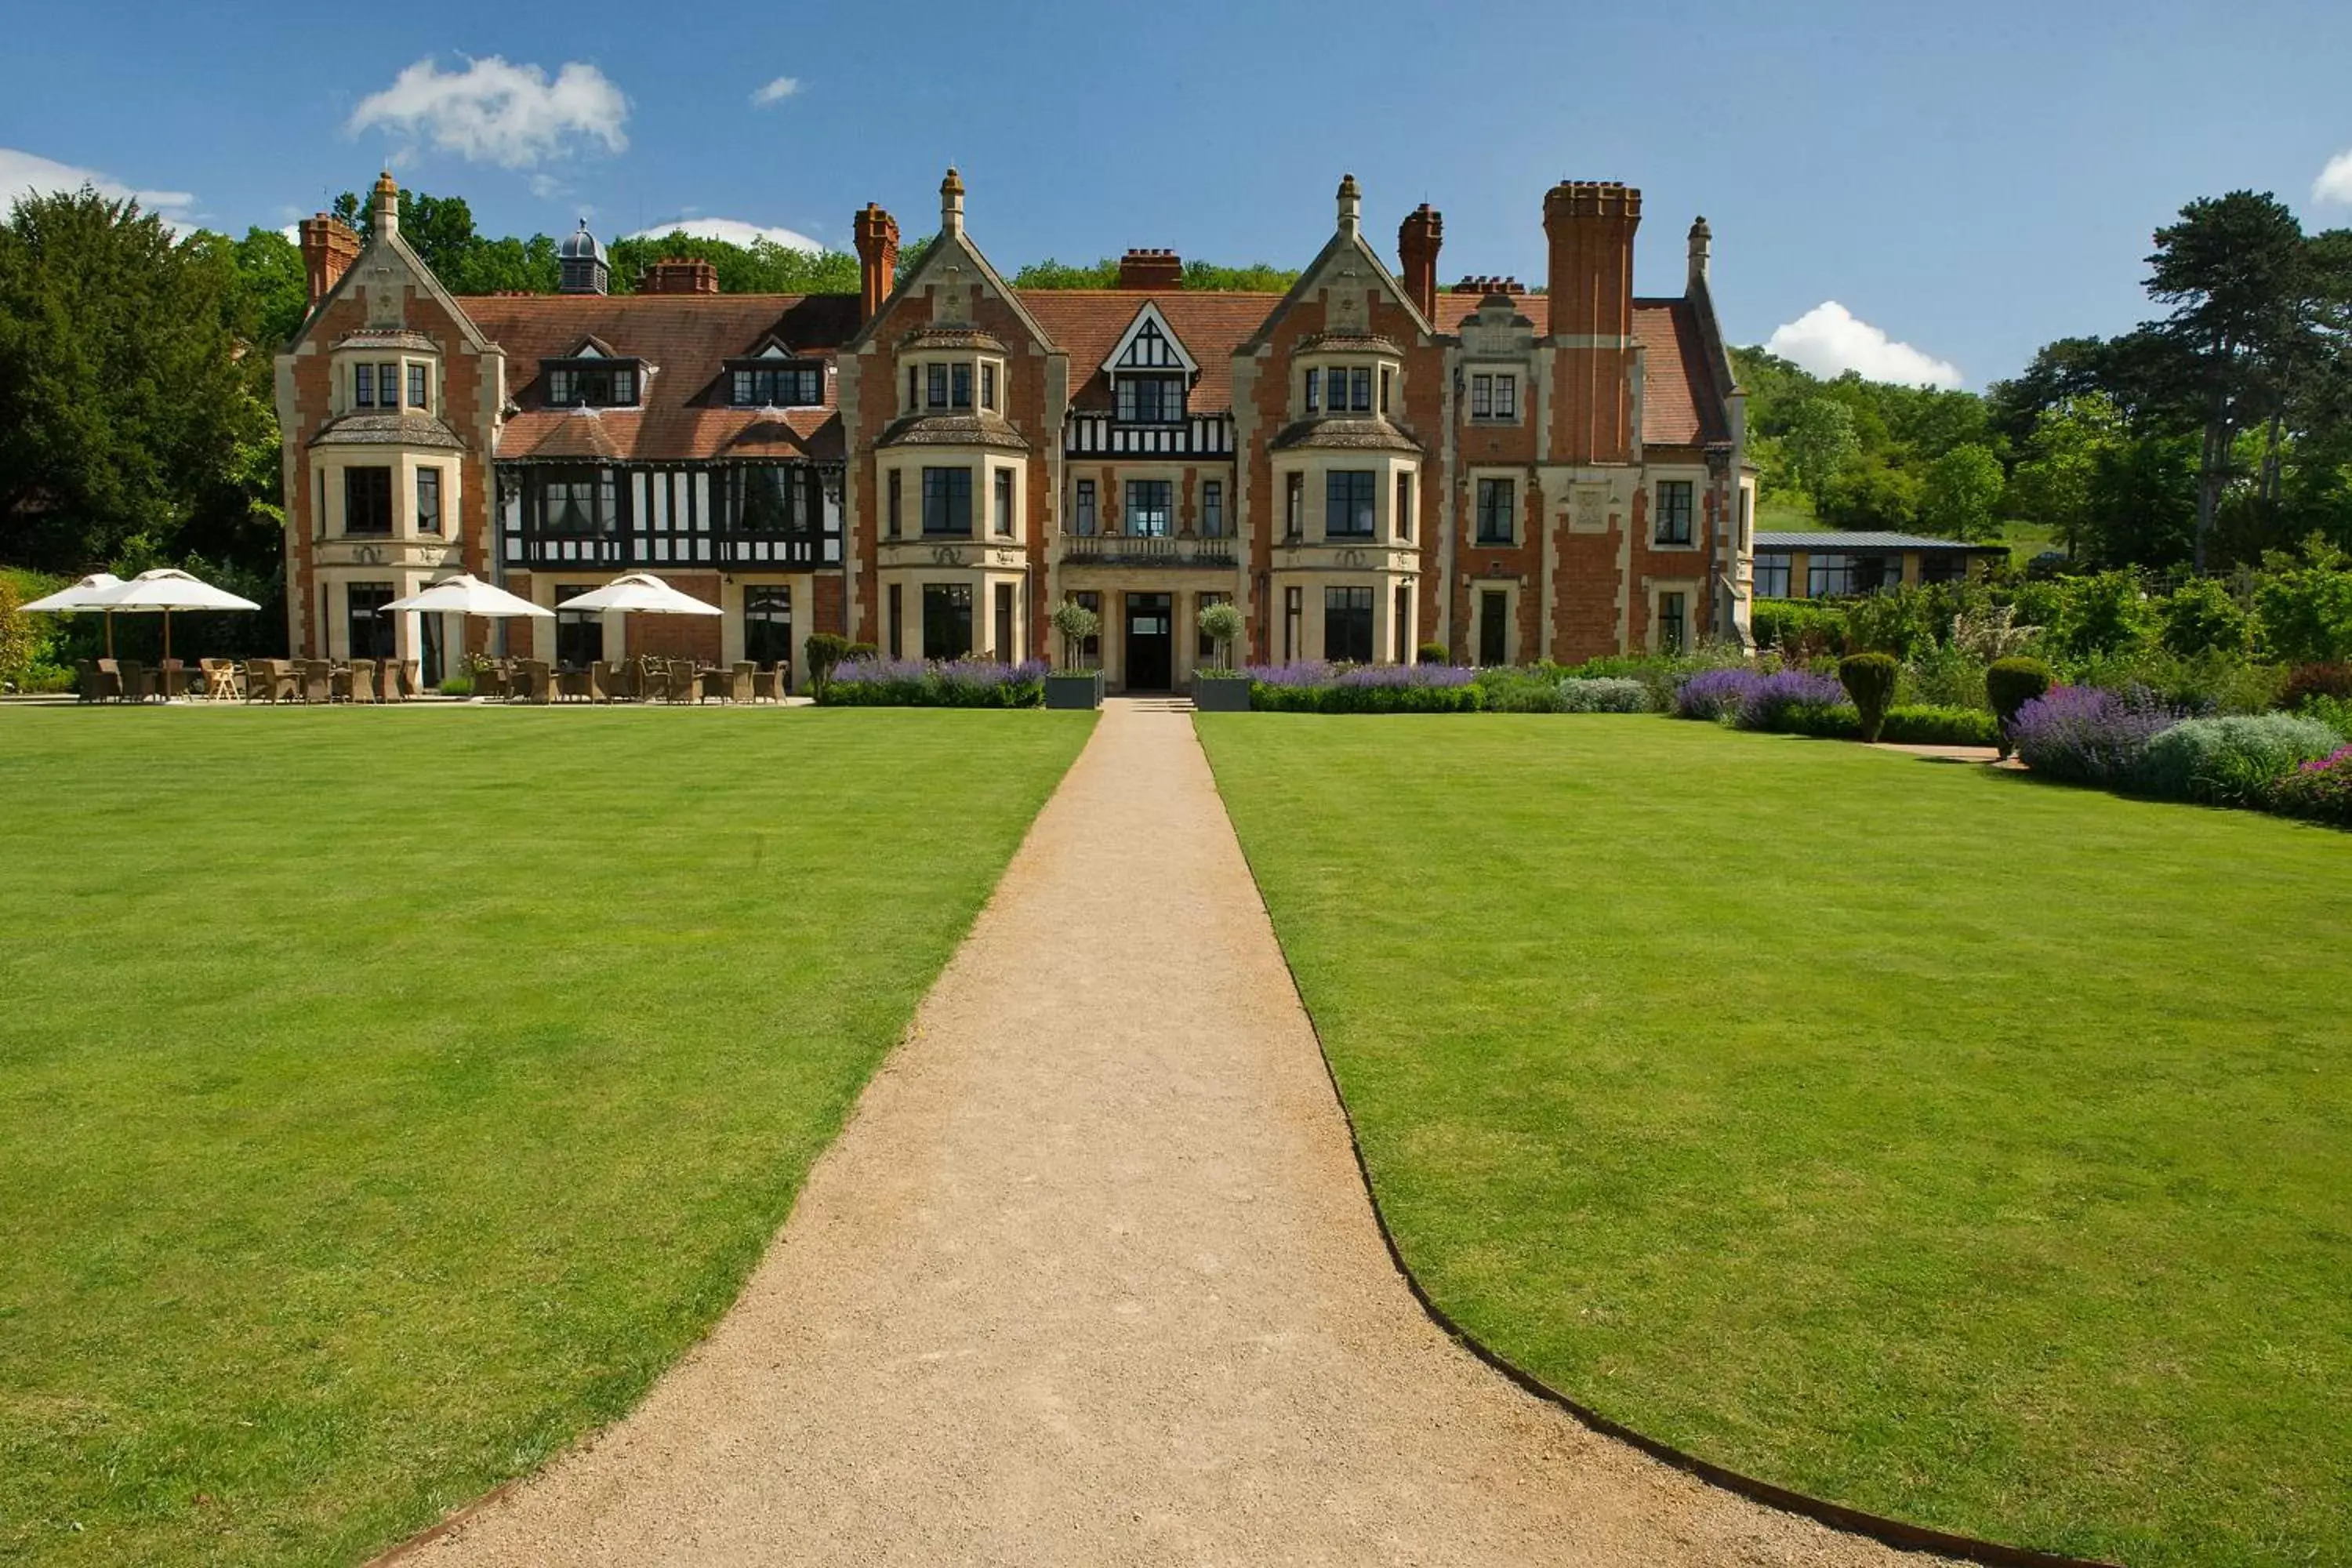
[1967, 182]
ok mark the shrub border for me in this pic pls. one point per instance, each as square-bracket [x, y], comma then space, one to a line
[1888, 1531]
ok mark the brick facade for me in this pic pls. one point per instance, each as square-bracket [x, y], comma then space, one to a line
[1611, 397]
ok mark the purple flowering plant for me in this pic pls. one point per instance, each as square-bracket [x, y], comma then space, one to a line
[2086, 735]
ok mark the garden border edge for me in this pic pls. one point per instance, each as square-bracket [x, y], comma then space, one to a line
[1894, 1532]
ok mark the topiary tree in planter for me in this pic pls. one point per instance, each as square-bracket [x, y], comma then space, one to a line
[1869, 679]
[1221, 623]
[1076, 624]
[2009, 685]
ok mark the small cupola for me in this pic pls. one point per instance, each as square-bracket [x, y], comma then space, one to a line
[581, 263]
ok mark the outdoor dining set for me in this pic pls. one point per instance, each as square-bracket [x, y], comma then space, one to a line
[646, 679]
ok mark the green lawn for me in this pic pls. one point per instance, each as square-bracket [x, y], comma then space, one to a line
[386, 1097]
[1965, 1148]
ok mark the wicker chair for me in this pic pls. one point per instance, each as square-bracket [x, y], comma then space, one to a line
[391, 680]
[533, 680]
[683, 687]
[652, 680]
[96, 681]
[768, 685]
[317, 682]
[173, 678]
[359, 681]
[490, 681]
[138, 681]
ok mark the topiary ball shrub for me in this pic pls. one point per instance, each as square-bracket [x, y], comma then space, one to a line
[2009, 685]
[1432, 653]
[1869, 679]
[2234, 761]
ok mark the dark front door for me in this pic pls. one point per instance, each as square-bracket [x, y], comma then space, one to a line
[1150, 644]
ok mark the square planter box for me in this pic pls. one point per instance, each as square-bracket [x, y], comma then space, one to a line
[1079, 691]
[1221, 694]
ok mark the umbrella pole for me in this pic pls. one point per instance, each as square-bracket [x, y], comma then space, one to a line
[110, 634]
[167, 634]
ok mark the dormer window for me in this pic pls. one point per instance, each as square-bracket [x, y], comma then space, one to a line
[779, 386]
[590, 384]
[1150, 399]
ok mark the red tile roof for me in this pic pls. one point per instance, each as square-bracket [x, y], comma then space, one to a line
[684, 341]
[1089, 323]
[1679, 405]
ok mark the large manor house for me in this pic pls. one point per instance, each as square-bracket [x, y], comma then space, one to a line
[1365, 465]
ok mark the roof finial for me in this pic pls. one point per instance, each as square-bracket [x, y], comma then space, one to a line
[1351, 205]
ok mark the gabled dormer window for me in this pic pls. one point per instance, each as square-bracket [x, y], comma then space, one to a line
[778, 386]
[775, 377]
[593, 383]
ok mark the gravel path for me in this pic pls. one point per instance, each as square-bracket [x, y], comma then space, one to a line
[1091, 1278]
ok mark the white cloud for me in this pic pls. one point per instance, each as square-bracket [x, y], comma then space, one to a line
[30, 174]
[735, 231]
[493, 112]
[2334, 181]
[1829, 340]
[776, 91]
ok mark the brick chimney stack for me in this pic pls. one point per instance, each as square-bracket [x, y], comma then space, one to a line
[1702, 241]
[1418, 240]
[679, 274]
[877, 257]
[327, 251]
[1155, 270]
[1590, 226]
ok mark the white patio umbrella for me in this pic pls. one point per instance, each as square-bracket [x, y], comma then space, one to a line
[644, 594]
[465, 594]
[87, 594]
[167, 588]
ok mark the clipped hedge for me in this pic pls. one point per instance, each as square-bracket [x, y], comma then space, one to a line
[1920, 725]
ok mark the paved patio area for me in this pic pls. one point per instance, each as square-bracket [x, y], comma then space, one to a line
[1091, 1278]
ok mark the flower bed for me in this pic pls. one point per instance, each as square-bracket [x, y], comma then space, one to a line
[2232, 762]
[934, 683]
[1312, 686]
[2085, 735]
[2320, 789]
